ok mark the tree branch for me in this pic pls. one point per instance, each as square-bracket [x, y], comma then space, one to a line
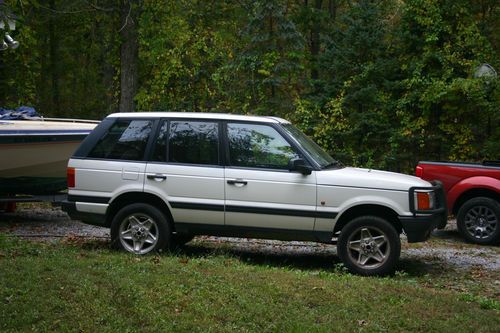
[67, 11]
[96, 7]
[127, 17]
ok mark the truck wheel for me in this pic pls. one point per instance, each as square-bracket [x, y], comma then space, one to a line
[478, 220]
[369, 245]
[140, 229]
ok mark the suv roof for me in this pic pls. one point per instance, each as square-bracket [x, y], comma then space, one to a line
[198, 115]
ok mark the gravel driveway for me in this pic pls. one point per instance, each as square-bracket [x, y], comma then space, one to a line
[445, 246]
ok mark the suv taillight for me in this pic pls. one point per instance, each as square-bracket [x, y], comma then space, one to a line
[70, 172]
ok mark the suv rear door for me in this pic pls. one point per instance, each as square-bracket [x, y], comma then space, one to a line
[184, 169]
[114, 163]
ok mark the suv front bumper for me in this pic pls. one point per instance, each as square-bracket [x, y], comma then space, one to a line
[418, 227]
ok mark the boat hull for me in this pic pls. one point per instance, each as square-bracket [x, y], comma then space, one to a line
[33, 159]
[31, 185]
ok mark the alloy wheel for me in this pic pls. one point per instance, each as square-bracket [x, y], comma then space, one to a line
[480, 222]
[138, 233]
[368, 247]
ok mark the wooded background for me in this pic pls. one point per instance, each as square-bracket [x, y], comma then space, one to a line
[378, 84]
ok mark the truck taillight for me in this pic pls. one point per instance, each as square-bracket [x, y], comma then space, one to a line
[70, 172]
[419, 171]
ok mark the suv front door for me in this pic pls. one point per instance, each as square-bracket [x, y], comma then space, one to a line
[261, 192]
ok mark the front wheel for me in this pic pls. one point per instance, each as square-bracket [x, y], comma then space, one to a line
[369, 245]
[478, 220]
[140, 229]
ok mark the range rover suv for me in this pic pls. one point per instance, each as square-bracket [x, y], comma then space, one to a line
[157, 179]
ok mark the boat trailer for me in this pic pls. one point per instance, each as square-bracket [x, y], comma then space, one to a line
[8, 204]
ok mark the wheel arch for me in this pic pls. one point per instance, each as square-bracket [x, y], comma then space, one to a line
[138, 197]
[368, 209]
[474, 193]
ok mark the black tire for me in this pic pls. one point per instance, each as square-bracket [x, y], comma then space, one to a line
[140, 229]
[369, 245]
[478, 221]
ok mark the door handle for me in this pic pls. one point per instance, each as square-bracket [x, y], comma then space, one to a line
[157, 177]
[237, 182]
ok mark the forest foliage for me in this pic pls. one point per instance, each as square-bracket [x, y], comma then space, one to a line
[377, 83]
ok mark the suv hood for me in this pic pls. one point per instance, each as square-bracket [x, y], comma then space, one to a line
[368, 178]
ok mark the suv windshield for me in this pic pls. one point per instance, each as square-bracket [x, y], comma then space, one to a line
[321, 157]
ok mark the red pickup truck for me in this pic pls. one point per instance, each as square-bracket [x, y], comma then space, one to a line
[473, 196]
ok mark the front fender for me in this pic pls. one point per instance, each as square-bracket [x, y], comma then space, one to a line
[390, 203]
[341, 199]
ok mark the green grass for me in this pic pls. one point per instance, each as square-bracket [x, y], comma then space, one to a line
[73, 286]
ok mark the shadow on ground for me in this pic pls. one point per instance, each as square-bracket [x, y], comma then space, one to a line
[297, 260]
[448, 234]
[290, 258]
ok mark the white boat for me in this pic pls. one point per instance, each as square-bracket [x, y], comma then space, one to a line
[34, 153]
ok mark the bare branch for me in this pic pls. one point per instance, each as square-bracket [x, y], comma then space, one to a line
[92, 8]
[95, 6]
[67, 11]
[127, 17]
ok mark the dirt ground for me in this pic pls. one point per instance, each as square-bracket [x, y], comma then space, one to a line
[39, 223]
[446, 256]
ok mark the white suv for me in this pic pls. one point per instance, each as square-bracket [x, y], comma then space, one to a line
[159, 178]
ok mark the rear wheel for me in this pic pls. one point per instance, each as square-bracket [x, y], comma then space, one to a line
[478, 220]
[140, 229]
[369, 245]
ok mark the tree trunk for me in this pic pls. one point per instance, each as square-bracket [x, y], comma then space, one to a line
[271, 34]
[315, 42]
[53, 65]
[332, 9]
[129, 52]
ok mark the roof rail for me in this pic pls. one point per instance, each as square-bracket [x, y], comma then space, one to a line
[70, 120]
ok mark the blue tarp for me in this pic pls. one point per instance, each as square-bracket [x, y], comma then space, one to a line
[22, 112]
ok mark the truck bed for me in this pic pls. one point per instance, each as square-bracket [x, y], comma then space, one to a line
[450, 173]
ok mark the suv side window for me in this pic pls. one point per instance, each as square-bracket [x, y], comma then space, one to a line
[258, 146]
[192, 142]
[125, 140]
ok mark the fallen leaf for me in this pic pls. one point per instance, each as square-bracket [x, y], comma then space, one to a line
[156, 260]
[362, 322]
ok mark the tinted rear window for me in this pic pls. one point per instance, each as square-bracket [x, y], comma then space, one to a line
[188, 142]
[126, 139]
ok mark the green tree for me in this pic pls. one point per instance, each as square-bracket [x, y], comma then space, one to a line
[444, 112]
[353, 118]
[66, 62]
[269, 60]
[377, 83]
[20, 68]
[183, 44]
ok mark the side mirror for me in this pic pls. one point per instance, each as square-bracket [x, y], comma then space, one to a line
[298, 164]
